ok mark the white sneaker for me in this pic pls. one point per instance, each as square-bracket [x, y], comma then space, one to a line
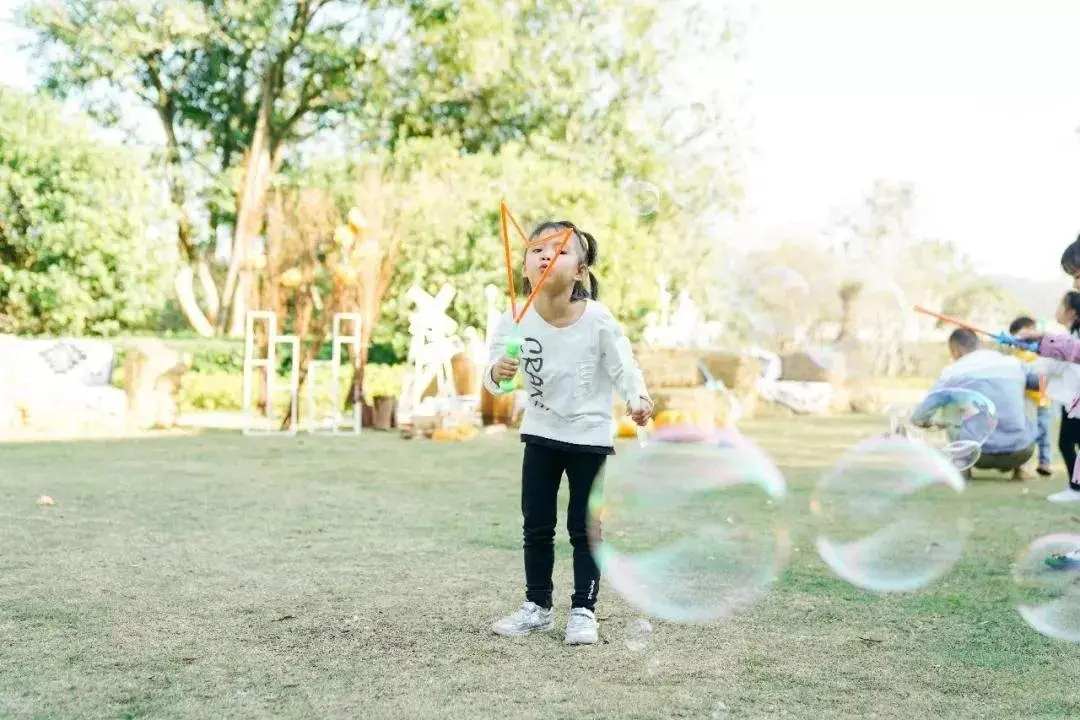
[1065, 496]
[529, 618]
[581, 627]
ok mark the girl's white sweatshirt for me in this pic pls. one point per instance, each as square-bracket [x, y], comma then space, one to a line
[570, 374]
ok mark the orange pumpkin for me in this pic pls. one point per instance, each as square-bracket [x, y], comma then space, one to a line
[627, 428]
[669, 417]
[465, 432]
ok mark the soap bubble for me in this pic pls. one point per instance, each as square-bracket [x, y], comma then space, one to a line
[642, 196]
[638, 635]
[965, 415]
[962, 454]
[1049, 570]
[686, 527]
[889, 515]
[729, 410]
[687, 129]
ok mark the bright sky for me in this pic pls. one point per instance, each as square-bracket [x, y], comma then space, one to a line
[13, 70]
[974, 102]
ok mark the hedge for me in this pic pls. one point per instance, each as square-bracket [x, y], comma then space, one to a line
[201, 391]
[222, 355]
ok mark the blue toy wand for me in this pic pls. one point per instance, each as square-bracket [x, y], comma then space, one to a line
[1002, 338]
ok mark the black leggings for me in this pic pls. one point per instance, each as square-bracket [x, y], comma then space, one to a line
[1068, 439]
[542, 469]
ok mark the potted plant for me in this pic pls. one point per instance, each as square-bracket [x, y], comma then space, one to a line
[382, 385]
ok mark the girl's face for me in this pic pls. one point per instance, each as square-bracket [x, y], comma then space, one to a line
[1065, 315]
[568, 266]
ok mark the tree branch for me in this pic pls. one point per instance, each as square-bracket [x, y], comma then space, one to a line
[298, 28]
[155, 79]
[303, 105]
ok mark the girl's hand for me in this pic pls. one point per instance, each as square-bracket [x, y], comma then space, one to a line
[505, 369]
[643, 412]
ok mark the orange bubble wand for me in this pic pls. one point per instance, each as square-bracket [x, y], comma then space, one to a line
[1001, 337]
[513, 340]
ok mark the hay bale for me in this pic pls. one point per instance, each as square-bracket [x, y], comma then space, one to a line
[700, 406]
[739, 373]
[803, 367]
[751, 404]
[668, 367]
[774, 411]
[865, 398]
[841, 399]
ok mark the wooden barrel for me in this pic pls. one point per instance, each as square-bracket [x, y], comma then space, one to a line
[466, 379]
[496, 410]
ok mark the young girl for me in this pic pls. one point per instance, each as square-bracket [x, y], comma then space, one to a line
[573, 355]
[1063, 385]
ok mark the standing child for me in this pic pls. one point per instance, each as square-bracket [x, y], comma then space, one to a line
[1039, 398]
[573, 356]
[1064, 385]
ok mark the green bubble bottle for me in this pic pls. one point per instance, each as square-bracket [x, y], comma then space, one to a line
[512, 350]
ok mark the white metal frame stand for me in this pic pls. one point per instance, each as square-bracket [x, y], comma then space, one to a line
[269, 366]
[339, 339]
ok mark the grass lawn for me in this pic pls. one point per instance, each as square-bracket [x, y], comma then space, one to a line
[216, 576]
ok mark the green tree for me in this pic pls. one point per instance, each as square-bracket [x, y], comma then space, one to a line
[887, 268]
[234, 83]
[239, 86]
[984, 304]
[76, 219]
[445, 206]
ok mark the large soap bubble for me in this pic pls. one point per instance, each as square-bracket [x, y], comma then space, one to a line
[889, 516]
[1049, 570]
[686, 528]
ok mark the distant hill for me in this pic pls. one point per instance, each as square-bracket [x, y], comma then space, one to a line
[1040, 298]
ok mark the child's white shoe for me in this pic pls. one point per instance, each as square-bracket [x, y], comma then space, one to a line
[1065, 496]
[529, 618]
[581, 628]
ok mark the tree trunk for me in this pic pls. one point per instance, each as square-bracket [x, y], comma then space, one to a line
[184, 284]
[849, 305]
[374, 291]
[185, 296]
[249, 210]
[209, 289]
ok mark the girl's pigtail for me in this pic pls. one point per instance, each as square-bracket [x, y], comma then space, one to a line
[594, 287]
